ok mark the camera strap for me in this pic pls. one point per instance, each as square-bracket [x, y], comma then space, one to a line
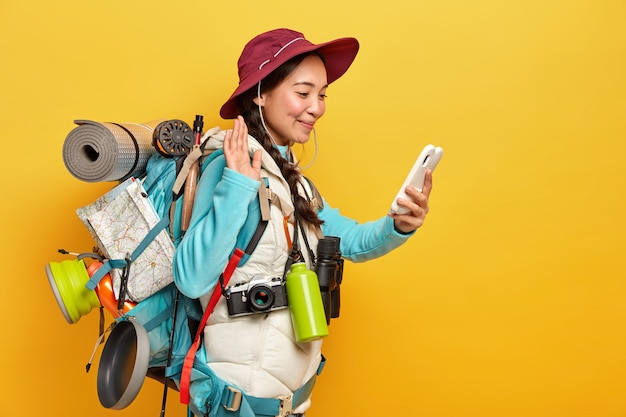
[306, 243]
[295, 255]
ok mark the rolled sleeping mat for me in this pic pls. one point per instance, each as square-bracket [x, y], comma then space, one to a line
[100, 152]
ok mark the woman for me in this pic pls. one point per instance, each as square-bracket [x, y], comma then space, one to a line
[283, 80]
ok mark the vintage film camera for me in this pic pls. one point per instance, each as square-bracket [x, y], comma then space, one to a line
[329, 270]
[260, 295]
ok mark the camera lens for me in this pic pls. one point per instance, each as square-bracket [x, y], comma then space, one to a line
[260, 298]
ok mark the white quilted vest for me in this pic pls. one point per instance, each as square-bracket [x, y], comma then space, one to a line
[257, 352]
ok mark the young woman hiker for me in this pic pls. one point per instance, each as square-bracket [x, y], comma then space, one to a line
[283, 79]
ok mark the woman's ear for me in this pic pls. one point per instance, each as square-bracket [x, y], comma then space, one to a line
[259, 101]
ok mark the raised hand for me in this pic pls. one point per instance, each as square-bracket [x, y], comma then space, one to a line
[236, 151]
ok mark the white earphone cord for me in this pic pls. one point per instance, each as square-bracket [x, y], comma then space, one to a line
[258, 95]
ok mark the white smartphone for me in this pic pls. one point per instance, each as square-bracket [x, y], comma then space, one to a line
[428, 159]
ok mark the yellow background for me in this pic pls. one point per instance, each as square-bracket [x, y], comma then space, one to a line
[509, 302]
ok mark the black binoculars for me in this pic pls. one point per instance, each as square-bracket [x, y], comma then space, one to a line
[329, 270]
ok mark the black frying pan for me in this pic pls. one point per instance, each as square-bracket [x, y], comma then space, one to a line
[123, 364]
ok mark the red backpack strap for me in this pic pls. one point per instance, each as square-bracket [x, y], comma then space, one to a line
[185, 379]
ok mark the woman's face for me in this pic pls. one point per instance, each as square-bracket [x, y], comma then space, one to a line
[293, 106]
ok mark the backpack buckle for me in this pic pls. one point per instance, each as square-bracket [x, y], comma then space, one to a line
[285, 407]
[236, 399]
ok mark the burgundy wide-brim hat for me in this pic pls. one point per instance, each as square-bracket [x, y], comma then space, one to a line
[269, 50]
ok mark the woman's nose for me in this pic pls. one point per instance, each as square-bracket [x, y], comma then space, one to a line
[317, 107]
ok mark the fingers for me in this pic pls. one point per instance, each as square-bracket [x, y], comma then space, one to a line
[417, 204]
[226, 146]
[236, 142]
[236, 151]
[256, 159]
[421, 198]
[418, 199]
[428, 183]
[236, 139]
[241, 133]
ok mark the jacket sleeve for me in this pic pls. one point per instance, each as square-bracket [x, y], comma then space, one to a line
[221, 209]
[361, 242]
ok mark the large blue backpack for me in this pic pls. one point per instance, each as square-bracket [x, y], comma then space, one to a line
[170, 322]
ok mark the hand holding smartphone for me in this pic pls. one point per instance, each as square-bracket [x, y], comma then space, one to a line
[428, 159]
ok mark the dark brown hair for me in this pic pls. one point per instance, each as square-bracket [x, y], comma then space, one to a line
[250, 112]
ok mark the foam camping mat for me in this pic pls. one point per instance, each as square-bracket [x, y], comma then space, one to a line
[95, 152]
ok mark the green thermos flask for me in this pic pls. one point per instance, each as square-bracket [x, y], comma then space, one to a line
[305, 304]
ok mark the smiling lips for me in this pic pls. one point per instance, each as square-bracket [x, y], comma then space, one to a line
[309, 126]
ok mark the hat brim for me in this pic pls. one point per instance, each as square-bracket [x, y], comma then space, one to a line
[338, 55]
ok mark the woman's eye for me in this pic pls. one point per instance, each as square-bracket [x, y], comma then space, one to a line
[303, 94]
